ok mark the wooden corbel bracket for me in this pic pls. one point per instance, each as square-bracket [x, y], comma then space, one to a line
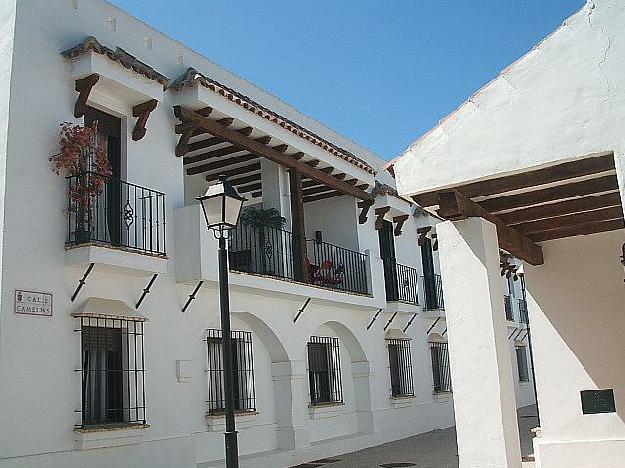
[142, 111]
[364, 206]
[423, 232]
[399, 223]
[186, 131]
[380, 212]
[83, 86]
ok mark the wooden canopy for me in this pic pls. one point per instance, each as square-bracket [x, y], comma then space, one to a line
[212, 145]
[568, 199]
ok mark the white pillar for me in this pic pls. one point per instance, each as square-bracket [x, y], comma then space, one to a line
[276, 193]
[481, 369]
[291, 404]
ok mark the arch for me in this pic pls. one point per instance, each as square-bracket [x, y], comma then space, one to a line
[352, 345]
[275, 348]
[396, 334]
[436, 338]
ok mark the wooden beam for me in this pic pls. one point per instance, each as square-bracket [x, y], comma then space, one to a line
[550, 210]
[312, 162]
[311, 183]
[364, 206]
[340, 176]
[323, 196]
[209, 142]
[399, 223]
[455, 206]
[249, 188]
[298, 155]
[549, 224]
[83, 86]
[245, 180]
[582, 230]
[234, 172]
[319, 189]
[257, 194]
[221, 163]
[142, 111]
[204, 112]
[559, 192]
[559, 172]
[222, 151]
[278, 157]
[298, 225]
[379, 220]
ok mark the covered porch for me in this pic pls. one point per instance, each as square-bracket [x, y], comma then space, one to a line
[532, 166]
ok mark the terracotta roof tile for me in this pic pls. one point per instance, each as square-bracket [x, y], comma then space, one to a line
[91, 44]
[192, 77]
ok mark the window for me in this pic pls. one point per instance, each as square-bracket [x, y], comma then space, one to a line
[521, 362]
[324, 370]
[400, 367]
[113, 375]
[242, 372]
[440, 367]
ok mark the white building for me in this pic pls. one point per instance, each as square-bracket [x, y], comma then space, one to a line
[109, 332]
[533, 164]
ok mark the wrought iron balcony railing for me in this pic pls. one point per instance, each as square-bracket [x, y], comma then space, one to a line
[507, 302]
[432, 292]
[523, 316]
[401, 282]
[104, 210]
[261, 249]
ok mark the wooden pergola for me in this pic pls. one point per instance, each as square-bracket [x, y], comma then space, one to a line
[212, 144]
[568, 199]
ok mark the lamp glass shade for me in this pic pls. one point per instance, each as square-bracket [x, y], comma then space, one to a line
[221, 205]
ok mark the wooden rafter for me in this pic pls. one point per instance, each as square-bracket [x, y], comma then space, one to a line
[218, 130]
[399, 223]
[549, 224]
[580, 230]
[230, 149]
[559, 192]
[245, 180]
[454, 206]
[323, 196]
[557, 173]
[183, 146]
[221, 163]
[83, 86]
[249, 188]
[209, 142]
[379, 213]
[575, 205]
[234, 172]
[142, 111]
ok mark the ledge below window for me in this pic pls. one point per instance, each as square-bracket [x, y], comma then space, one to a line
[402, 401]
[442, 397]
[116, 260]
[109, 435]
[325, 410]
[217, 421]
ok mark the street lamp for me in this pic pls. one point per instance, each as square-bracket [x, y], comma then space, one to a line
[222, 205]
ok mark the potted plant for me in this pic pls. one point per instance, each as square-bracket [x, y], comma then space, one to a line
[261, 218]
[82, 159]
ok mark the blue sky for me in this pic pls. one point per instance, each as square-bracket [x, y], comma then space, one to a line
[377, 71]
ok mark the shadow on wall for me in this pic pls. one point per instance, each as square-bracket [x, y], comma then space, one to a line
[581, 293]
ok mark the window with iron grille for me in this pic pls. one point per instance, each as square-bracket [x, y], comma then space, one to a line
[324, 370]
[441, 373]
[113, 371]
[242, 371]
[400, 367]
[521, 362]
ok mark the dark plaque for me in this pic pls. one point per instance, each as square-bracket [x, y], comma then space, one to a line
[598, 401]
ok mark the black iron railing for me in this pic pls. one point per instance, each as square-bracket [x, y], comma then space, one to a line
[507, 302]
[261, 249]
[523, 316]
[401, 282]
[324, 370]
[441, 370]
[432, 292]
[336, 267]
[103, 210]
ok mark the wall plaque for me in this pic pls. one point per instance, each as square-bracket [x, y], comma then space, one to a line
[33, 303]
[598, 401]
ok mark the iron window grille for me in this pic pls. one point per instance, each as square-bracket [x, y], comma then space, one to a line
[521, 361]
[324, 370]
[441, 372]
[507, 302]
[112, 371]
[242, 369]
[400, 367]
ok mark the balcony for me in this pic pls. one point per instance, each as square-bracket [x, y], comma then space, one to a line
[507, 302]
[523, 316]
[109, 220]
[432, 292]
[265, 250]
[401, 282]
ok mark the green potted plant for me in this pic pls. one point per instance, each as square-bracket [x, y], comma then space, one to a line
[82, 159]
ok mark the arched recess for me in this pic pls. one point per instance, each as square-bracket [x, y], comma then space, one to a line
[360, 373]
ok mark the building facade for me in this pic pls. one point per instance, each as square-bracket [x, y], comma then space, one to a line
[110, 348]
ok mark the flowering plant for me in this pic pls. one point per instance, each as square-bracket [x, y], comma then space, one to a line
[81, 155]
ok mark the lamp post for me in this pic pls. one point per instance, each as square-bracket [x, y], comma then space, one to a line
[222, 205]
